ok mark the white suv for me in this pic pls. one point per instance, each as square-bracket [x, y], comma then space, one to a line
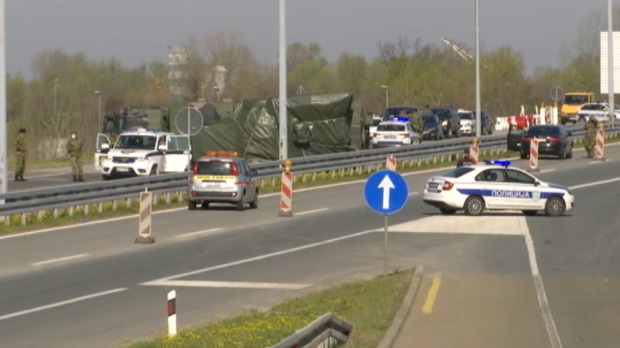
[142, 152]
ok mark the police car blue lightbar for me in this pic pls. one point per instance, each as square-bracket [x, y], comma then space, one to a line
[402, 119]
[503, 163]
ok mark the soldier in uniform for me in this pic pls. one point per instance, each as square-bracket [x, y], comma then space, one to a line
[20, 155]
[74, 149]
[589, 140]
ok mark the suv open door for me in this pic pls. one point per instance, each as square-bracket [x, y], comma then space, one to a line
[99, 151]
[178, 154]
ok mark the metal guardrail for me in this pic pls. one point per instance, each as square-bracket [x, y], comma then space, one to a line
[97, 192]
[326, 331]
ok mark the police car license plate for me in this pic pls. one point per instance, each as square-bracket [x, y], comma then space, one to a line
[390, 137]
[122, 169]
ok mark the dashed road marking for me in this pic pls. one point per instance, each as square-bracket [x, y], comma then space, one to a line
[232, 285]
[62, 259]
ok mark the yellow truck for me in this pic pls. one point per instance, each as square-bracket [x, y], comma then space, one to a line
[571, 103]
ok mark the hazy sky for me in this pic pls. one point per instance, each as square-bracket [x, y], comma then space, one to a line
[137, 31]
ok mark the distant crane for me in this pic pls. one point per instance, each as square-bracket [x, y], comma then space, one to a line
[463, 53]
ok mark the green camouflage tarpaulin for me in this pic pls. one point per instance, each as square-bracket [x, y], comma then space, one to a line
[317, 124]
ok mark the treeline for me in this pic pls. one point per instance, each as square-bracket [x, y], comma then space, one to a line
[61, 95]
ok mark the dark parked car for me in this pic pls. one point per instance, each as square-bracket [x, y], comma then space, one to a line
[487, 124]
[553, 141]
[432, 128]
[450, 121]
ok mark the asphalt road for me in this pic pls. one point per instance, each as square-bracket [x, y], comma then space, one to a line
[91, 285]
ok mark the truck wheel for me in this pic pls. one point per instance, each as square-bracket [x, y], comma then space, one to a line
[153, 170]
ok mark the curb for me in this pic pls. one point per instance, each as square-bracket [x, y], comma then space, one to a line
[403, 313]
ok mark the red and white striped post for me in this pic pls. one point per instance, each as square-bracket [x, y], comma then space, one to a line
[171, 308]
[599, 147]
[533, 165]
[390, 163]
[474, 151]
[286, 191]
[144, 225]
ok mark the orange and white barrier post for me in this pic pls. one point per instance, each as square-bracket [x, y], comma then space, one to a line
[599, 147]
[286, 191]
[171, 307]
[474, 151]
[534, 155]
[390, 163]
[144, 225]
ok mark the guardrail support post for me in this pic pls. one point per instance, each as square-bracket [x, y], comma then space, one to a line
[286, 191]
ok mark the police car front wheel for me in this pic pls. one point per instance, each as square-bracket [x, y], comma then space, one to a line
[474, 205]
[555, 206]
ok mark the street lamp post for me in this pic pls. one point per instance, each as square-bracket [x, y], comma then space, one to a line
[387, 96]
[99, 93]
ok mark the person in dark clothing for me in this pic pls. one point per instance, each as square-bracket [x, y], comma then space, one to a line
[465, 159]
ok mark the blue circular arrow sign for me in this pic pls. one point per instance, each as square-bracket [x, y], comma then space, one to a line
[386, 192]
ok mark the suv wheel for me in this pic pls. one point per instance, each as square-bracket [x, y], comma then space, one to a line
[191, 205]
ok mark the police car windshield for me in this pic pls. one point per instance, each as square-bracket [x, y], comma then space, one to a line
[457, 172]
[136, 142]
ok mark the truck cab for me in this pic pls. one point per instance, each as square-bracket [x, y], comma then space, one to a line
[571, 103]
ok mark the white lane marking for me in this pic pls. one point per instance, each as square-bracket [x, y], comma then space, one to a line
[543, 303]
[413, 193]
[312, 211]
[547, 170]
[197, 233]
[595, 183]
[59, 304]
[263, 257]
[62, 259]
[232, 285]
[486, 224]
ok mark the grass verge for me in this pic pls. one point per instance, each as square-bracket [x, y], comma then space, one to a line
[369, 305]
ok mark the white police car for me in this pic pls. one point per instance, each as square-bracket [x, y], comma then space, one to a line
[397, 132]
[495, 186]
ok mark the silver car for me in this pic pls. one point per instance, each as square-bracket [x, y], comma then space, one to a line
[222, 177]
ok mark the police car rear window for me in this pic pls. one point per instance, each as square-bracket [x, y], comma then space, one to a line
[213, 168]
[457, 172]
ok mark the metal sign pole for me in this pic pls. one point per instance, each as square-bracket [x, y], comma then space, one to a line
[385, 244]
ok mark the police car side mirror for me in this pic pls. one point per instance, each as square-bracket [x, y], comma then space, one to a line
[104, 148]
[161, 148]
[536, 183]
